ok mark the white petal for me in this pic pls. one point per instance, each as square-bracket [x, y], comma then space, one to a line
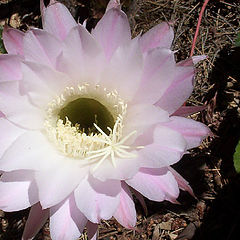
[97, 200]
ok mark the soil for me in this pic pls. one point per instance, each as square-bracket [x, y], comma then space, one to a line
[215, 212]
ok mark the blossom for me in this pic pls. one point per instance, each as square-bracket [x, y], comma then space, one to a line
[88, 119]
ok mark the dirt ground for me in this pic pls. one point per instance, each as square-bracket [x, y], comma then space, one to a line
[215, 212]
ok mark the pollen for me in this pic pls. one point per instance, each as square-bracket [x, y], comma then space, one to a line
[86, 123]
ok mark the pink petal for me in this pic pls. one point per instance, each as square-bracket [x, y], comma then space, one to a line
[113, 4]
[41, 47]
[192, 61]
[159, 36]
[142, 116]
[140, 198]
[185, 111]
[158, 73]
[10, 68]
[80, 53]
[17, 190]
[112, 31]
[67, 175]
[107, 171]
[66, 221]
[58, 21]
[30, 150]
[9, 133]
[43, 83]
[126, 212]
[193, 132]
[97, 200]
[167, 148]
[17, 108]
[13, 40]
[124, 70]
[92, 230]
[155, 184]
[36, 219]
[179, 91]
[182, 183]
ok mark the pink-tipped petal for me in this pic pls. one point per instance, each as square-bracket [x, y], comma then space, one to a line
[182, 183]
[9, 133]
[10, 68]
[97, 200]
[192, 61]
[167, 148]
[41, 47]
[185, 111]
[67, 175]
[66, 221]
[17, 190]
[193, 132]
[36, 219]
[155, 184]
[159, 36]
[92, 230]
[80, 53]
[17, 108]
[58, 21]
[13, 40]
[179, 91]
[113, 4]
[124, 70]
[126, 213]
[112, 31]
[158, 74]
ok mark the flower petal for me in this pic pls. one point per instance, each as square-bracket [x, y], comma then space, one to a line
[113, 4]
[155, 184]
[158, 73]
[97, 200]
[80, 53]
[182, 183]
[57, 20]
[179, 91]
[42, 83]
[66, 221]
[185, 111]
[167, 148]
[159, 36]
[92, 230]
[10, 68]
[31, 150]
[41, 47]
[17, 108]
[107, 171]
[13, 40]
[141, 116]
[17, 190]
[66, 174]
[112, 31]
[9, 133]
[36, 219]
[193, 132]
[123, 72]
[126, 212]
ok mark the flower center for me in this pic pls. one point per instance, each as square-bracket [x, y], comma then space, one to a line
[84, 112]
[86, 123]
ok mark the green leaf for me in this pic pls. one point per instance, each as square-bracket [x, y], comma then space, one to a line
[236, 158]
[237, 43]
[2, 48]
